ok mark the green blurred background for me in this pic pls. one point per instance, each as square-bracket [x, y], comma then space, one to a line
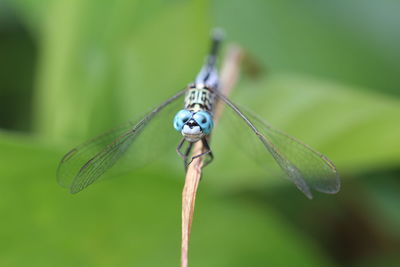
[330, 75]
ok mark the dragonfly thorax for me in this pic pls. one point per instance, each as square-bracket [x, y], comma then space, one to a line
[197, 99]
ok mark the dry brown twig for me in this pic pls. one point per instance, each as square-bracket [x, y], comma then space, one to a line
[229, 76]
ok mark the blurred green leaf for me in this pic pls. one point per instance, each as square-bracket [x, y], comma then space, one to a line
[132, 221]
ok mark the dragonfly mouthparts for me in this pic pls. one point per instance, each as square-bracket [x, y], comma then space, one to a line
[191, 124]
[192, 132]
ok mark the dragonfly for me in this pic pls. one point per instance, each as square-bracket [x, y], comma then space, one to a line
[305, 167]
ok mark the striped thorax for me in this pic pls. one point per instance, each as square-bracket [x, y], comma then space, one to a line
[197, 99]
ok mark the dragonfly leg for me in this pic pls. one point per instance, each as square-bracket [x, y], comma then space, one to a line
[185, 155]
[207, 152]
[189, 148]
[179, 147]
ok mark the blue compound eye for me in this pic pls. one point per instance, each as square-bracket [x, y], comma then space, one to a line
[204, 120]
[181, 118]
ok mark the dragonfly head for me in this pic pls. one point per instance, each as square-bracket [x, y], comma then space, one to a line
[193, 125]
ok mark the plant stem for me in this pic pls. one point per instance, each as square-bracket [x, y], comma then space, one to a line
[229, 76]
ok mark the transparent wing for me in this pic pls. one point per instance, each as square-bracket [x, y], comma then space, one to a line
[86, 163]
[304, 166]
